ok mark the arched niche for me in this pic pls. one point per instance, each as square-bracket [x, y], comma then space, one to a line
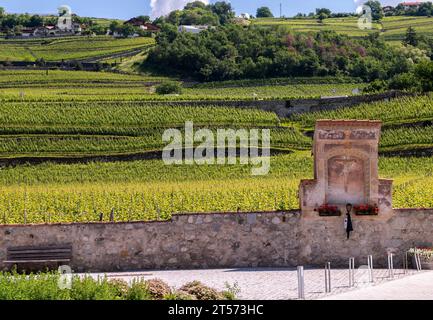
[347, 176]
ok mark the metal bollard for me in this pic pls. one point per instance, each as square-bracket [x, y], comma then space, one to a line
[405, 262]
[328, 287]
[418, 261]
[351, 272]
[370, 268]
[390, 265]
[301, 291]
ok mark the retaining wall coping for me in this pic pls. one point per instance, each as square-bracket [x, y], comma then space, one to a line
[105, 223]
[185, 214]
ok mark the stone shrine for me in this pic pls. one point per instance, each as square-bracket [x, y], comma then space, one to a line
[346, 171]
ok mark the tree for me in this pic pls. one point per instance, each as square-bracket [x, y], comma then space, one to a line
[424, 73]
[425, 9]
[2, 12]
[144, 19]
[35, 21]
[411, 37]
[324, 12]
[224, 11]
[322, 16]
[264, 12]
[195, 4]
[97, 29]
[127, 30]
[169, 87]
[114, 26]
[376, 9]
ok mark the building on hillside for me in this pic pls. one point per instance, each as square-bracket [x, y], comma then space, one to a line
[388, 10]
[145, 26]
[410, 5]
[245, 16]
[192, 29]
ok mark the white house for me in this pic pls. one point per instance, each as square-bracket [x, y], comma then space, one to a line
[246, 16]
[192, 29]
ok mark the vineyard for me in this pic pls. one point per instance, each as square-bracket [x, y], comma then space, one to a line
[50, 121]
[152, 191]
[391, 28]
[59, 49]
[55, 85]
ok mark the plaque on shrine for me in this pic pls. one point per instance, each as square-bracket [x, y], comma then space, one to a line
[346, 170]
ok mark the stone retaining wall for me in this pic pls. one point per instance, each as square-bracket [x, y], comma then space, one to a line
[273, 239]
[285, 108]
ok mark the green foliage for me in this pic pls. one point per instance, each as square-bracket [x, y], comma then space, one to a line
[232, 52]
[411, 37]
[169, 88]
[138, 291]
[197, 13]
[201, 291]
[44, 286]
[376, 9]
[424, 74]
[376, 86]
[404, 81]
[264, 12]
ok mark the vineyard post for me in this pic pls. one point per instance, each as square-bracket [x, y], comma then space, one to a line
[112, 215]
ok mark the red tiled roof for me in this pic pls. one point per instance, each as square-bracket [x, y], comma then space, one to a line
[411, 3]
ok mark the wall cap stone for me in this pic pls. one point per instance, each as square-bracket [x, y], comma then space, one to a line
[108, 223]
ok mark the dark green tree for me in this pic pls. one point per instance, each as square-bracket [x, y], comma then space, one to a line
[376, 10]
[223, 10]
[264, 12]
[35, 21]
[411, 37]
[324, 12]
[424, 74]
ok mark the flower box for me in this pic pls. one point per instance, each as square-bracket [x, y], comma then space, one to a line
[327, 210]
[366, 210]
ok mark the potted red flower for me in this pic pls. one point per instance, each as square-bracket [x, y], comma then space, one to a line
[327, 210]
[366, 210]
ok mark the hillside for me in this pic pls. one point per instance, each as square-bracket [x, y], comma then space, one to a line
[38, 128]
[69, 48]
[391, 28]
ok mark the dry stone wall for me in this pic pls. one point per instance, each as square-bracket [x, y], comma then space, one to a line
[262, 239]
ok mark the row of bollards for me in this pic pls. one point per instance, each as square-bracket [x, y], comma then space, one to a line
[328, 286]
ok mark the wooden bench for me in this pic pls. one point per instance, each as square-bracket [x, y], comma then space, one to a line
[39, 255]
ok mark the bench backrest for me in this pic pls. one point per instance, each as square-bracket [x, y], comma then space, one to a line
[63, 252]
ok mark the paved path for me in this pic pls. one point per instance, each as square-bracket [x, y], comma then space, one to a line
[415, 287]
[275, 284]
